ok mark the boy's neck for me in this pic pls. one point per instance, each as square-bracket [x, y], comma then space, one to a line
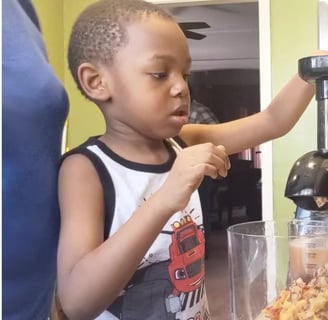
[147, 151]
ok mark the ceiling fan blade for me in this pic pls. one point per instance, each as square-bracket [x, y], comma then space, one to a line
[194, 25]
[193, 35]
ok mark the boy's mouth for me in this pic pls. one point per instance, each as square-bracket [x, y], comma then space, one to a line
[181, 111]
[181, 115]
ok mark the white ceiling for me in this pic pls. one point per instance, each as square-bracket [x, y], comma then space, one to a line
[232, 41]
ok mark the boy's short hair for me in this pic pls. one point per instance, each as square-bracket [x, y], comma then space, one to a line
[100, 30]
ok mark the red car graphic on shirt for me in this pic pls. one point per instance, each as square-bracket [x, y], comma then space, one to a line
[187, 265]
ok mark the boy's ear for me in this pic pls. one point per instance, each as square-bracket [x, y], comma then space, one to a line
[93, 83]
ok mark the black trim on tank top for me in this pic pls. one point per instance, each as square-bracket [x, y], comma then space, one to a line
[155, 168]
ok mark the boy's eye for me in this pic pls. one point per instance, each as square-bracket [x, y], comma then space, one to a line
[159, 75]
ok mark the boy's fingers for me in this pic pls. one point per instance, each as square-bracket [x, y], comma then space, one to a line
[224, 156]
[222, 173]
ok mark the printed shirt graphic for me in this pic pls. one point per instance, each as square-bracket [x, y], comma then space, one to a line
[169, 282]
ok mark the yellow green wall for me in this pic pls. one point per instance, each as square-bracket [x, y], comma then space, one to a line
[56, 18]
[293, 35]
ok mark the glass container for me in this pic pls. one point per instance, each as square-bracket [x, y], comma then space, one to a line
[265, 257]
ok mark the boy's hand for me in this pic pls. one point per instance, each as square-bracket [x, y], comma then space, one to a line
[320, 53]
[189, 169]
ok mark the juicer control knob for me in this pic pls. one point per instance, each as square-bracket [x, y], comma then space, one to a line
[315, 70]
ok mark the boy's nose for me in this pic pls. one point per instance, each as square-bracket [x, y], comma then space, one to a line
[180, 88]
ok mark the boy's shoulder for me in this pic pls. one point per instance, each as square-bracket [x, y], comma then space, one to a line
[81, 149]
[102, 173]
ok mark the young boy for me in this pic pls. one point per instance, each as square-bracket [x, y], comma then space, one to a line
[131, 242]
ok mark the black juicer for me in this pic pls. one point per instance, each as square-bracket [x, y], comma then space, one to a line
[307, 183]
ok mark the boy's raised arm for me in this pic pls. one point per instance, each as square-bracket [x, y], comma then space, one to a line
[275, 121]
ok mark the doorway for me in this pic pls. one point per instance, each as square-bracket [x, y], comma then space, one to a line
[226, 56]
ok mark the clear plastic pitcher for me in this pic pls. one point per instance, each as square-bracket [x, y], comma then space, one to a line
[259, 261]
[308, 247]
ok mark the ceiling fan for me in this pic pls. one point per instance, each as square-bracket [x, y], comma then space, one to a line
[188, 26]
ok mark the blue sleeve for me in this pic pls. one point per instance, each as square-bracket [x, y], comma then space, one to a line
[30, 11]
[34, 109]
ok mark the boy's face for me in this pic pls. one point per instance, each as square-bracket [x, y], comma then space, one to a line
[148, 79]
